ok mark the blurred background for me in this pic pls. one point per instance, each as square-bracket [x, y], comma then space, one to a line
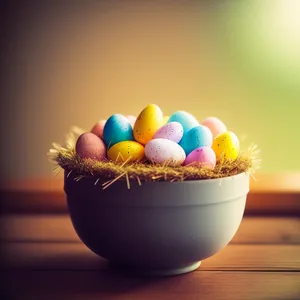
[67, 63]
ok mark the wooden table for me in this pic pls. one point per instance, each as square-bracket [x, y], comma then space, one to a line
[42, 258]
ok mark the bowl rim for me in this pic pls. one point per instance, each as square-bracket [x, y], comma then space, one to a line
[161, 193]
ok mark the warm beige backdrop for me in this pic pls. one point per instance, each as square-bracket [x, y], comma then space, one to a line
[74, 63]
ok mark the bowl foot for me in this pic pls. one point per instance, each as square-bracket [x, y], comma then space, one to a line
[177, 271]
[159, 272]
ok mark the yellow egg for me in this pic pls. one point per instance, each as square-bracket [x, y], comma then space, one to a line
[126, 150]
[166, 119]
[227, 145]
[147, 123]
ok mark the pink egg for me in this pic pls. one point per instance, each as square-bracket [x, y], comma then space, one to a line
[89, 145]
[172, 131]
[98, 128]
[131, 120]
[204, 156]
[215, 125]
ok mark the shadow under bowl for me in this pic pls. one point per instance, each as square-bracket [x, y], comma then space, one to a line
[158, 228]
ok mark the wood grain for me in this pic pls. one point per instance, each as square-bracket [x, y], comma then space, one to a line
[58, 228]
[75, 256]
[198, 285]
[41, 258]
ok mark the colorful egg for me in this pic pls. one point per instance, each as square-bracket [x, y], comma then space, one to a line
[204, 156]
[98, 128]
[196, 137]
[172, 131]
[163, 151]
[187, 120]
[117, 129]
[166, 119]
[131, 120]
[126, 150]
[215, 125]
[89, 145]
[226, 145]
[147, 123]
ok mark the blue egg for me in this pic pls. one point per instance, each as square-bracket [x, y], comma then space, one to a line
[187, 120]
[196, 137]
[117, 129]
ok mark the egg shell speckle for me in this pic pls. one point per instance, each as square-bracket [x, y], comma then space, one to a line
[161, 151]
[117, 129]
[215, 125]
[172, 131]
[227, 145]
[123, 150]
[88, 145]
[147, 123]
[98, 128]
[187, 120]
[204, 156]
[199, 136]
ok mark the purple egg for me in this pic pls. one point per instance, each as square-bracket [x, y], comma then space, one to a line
[89, 145]
[204, 156]
[171, 131]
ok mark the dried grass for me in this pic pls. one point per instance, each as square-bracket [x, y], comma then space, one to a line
[108, 172]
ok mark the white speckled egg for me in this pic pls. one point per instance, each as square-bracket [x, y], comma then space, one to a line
[162, 151]
[172, 131]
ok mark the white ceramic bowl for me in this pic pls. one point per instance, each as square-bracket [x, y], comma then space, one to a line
[158, 228]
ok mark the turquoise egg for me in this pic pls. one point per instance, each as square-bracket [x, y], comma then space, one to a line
[187, 120]
[199, 136]
[117, 129]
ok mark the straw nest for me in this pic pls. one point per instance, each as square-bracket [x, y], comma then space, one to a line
[107, 172]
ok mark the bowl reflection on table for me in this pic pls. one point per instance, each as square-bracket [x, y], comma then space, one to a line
[158, 228]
